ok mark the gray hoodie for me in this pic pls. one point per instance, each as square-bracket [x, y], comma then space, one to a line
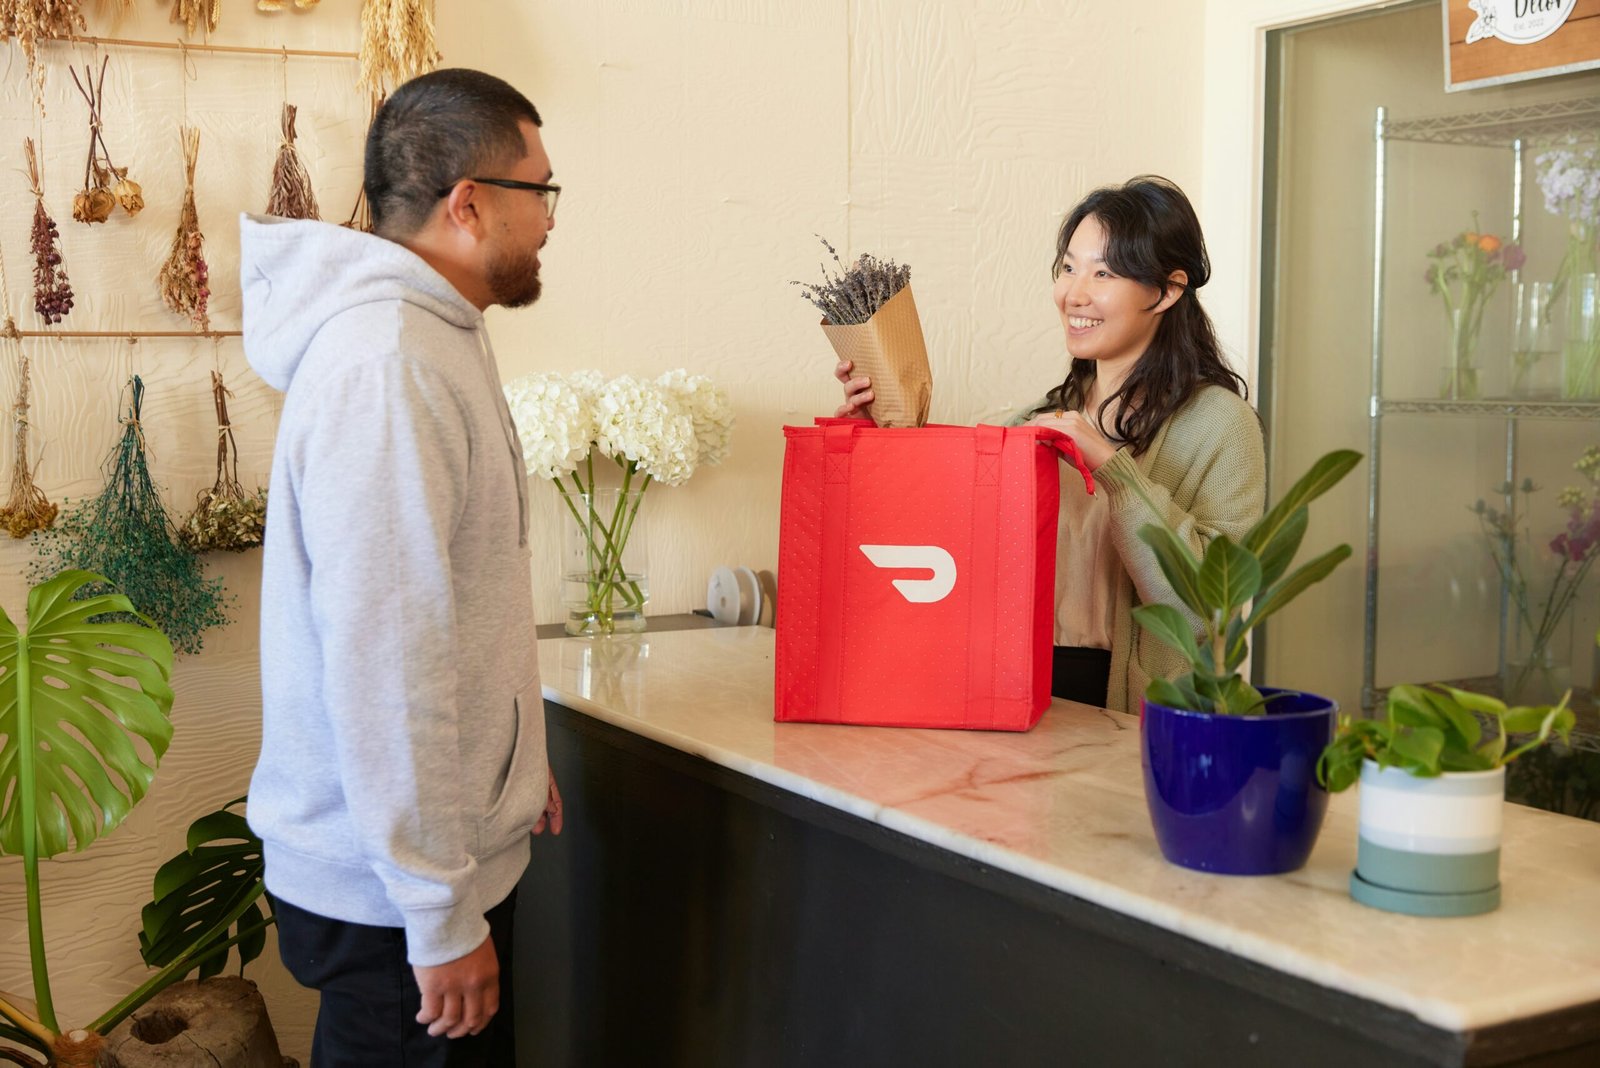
[403, 752]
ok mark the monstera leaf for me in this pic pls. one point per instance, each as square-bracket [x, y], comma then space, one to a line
[75, 696]
[211, 887]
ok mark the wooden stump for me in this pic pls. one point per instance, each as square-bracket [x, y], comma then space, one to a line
[219, 1023]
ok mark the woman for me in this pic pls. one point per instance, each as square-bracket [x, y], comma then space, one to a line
[1155, 413]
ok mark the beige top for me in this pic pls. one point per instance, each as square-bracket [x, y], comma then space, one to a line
[1204, 474]
[1085, 590]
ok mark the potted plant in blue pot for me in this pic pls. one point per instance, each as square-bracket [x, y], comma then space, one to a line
[1433, 787]
[1230, 770]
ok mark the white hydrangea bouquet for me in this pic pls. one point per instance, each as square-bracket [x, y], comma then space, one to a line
[654, 431]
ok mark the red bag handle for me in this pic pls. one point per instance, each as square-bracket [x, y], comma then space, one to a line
[1069, 451]
[841, 431]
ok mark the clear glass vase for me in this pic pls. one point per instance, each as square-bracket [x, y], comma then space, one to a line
[1538, 672]
[1535, 371]
[604, 570]
[1580, 356]
[1459, 379]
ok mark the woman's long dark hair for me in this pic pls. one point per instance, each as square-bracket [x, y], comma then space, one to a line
[1151, 231]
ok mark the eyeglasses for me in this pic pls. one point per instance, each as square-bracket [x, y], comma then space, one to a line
[547, 192]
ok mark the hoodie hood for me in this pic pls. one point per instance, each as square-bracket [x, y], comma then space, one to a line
[296, 274]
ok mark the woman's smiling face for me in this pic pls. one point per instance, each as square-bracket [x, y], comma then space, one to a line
[1105, 317]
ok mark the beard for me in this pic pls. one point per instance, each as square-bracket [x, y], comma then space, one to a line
[514, 278]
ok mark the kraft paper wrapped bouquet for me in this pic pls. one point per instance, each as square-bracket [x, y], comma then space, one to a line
[870, 319]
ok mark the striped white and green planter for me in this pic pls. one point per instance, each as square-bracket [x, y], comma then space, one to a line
[1430, 847]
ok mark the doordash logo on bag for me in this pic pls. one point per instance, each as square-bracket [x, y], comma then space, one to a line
[922, 558]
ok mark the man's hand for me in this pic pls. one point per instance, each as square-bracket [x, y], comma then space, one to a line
[462, 996]
[552, 809]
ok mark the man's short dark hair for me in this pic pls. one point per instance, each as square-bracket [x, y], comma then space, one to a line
[435, 130]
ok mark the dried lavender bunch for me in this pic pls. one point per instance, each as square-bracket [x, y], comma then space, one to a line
[225, 517]
[52, 293]
[292, 196]
[858, 291]
[185, 279]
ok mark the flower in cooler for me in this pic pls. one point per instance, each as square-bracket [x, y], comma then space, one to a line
[1573, 551]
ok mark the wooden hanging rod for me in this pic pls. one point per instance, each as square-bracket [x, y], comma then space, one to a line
[184, 46]
[125, 335]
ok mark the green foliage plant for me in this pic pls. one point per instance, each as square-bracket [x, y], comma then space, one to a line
[85, 701]
[1429, 730]
[1232, 589]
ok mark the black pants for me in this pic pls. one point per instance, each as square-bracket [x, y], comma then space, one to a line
[1081, 674]
[368, 1013]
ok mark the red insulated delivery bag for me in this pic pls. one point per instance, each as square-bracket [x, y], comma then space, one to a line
[918, 574]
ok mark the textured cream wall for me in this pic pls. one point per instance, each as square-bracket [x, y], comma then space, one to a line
[702, 143]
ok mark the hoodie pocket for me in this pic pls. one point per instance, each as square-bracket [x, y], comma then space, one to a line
[522, 797]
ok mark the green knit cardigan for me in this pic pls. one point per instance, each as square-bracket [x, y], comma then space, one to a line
[1206, 473]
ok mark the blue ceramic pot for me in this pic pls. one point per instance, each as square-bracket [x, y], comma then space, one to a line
[1237, 795]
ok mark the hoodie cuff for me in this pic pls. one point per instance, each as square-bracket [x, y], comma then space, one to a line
[437, 936]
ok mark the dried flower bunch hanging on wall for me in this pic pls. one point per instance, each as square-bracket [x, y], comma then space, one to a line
[28, 509]
[225, 517]
[396, 42]
[125, 535]
[196, 13]
[31, 21]
[185, 280]
[52, 293]
[291, 196]
[361, 214]
[279, 5]
[104, 185]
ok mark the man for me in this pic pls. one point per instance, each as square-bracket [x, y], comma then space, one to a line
[403, 753]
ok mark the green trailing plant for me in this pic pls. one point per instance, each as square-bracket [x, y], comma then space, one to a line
[125, 534]
[1231, 590]
[1429, 730]
[85, 701]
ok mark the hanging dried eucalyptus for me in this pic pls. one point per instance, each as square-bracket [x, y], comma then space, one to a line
[125, 535]
[396, 42]
[28, 509]
[31, 21]
[224, 516]
[291, 197]
[52, 293]
[104, 185]
[185, 280]
[192, 13]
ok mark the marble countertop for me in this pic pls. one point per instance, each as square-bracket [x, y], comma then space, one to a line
[1063, 805]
